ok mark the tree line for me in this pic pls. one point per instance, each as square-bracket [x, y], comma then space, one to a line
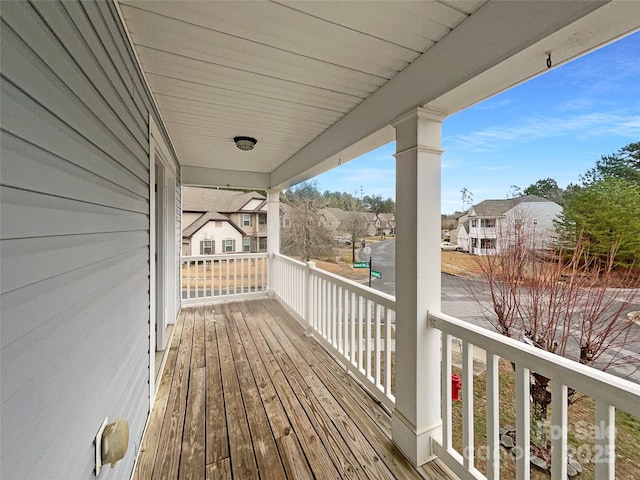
[346, 201]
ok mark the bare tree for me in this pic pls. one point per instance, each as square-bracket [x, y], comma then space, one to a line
[467, 198]
[306, 236]
[355, 223]
[558, 300]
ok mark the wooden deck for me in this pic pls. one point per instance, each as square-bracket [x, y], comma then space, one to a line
[245, 395]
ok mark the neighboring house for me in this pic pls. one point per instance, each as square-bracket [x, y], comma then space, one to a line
[336, 220]
[332, 217]
[223, 221]
[346, 225]
[385, 224]
[492, 222]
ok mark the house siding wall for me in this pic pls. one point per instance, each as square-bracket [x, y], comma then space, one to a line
[210, 232]
[74, 241]
[544, 214]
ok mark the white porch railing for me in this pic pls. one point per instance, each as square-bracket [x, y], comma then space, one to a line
[608, 391]
[354, 322]
[223, 277]
[357, 324]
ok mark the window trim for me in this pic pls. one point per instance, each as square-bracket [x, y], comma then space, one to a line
[203, 246]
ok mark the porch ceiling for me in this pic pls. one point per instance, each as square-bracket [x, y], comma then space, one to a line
[317, 83]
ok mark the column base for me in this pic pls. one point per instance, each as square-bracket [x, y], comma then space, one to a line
[414, 444]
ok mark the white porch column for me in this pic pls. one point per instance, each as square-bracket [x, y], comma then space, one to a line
[273, 234]
[416, 418]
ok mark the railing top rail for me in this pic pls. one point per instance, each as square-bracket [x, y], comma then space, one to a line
[222, 256]
[293, 261]
[377, 296]
[599, 385]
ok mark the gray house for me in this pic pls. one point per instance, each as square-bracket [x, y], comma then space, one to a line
[110, 107]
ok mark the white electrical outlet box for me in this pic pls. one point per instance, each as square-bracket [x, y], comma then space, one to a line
[98, 443]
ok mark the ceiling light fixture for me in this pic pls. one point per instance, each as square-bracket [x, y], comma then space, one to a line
[245, 143]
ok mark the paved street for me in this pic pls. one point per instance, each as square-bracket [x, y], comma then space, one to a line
[456, 300]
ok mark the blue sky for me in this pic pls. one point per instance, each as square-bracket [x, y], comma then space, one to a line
[556, 125]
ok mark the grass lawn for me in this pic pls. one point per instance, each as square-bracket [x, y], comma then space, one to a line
[581, 431]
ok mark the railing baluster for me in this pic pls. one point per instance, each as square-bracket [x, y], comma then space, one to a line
[353, 311]
[559, 431]
[447, 426]
[322, 306]
[493, 417]
[255, 275]
[467, 405]
[367, 362]
[197, 279]
[238, 279]
[523, 468]
[605, 446]
[334, 316]
[188, 279]
[388, 345]
[339, 320]
[228, 270]
[376, 347]
[207, 276]
[360, 332]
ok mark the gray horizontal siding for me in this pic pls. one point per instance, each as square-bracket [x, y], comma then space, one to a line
[74, 238]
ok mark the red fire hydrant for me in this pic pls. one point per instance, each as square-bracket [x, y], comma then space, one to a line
[456, 386]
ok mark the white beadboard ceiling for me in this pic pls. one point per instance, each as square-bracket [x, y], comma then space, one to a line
[318, 82]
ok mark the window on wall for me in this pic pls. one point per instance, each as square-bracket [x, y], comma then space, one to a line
[246, 244]
[207, 247]
[473, 223]
[262, 244]
[246, 220]
[229, 245]
[262, 218]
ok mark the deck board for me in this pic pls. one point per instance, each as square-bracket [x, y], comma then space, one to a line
[245, 394]
[170, 443]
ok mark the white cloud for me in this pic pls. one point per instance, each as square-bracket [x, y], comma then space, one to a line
[593, 124]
